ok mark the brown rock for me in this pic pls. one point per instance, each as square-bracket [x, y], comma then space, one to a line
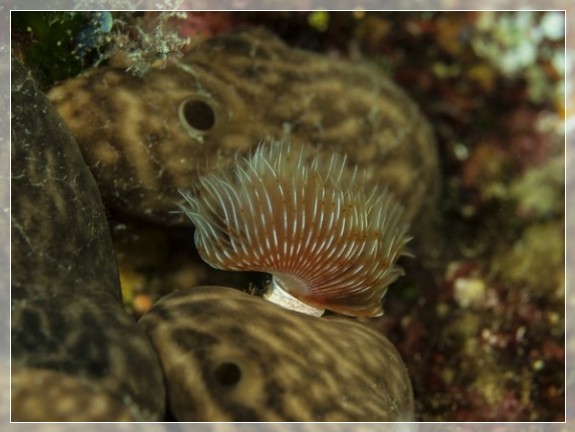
[67, 315]
[229, 356]
[146, 137]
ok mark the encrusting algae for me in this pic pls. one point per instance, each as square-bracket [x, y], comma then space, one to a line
[308, 219]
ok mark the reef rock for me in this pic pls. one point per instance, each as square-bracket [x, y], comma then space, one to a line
[230, 356]
[146, 137]
[70, 335]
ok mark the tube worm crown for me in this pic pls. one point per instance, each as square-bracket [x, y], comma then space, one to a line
[306, 218]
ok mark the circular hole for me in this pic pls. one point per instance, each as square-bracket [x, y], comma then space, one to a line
[197, 114]
[228, 374]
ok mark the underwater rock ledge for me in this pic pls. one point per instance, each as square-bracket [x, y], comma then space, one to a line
[70, 334]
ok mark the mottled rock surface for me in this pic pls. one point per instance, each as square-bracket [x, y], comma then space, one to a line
[146, 137]
[45, 395]
[67, 316]
[229, 356]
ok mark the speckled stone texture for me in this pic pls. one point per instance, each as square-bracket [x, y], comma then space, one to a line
[230, 356]
[146, 137]
[76, 354]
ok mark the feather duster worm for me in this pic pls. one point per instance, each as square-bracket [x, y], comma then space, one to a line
[309, 220]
